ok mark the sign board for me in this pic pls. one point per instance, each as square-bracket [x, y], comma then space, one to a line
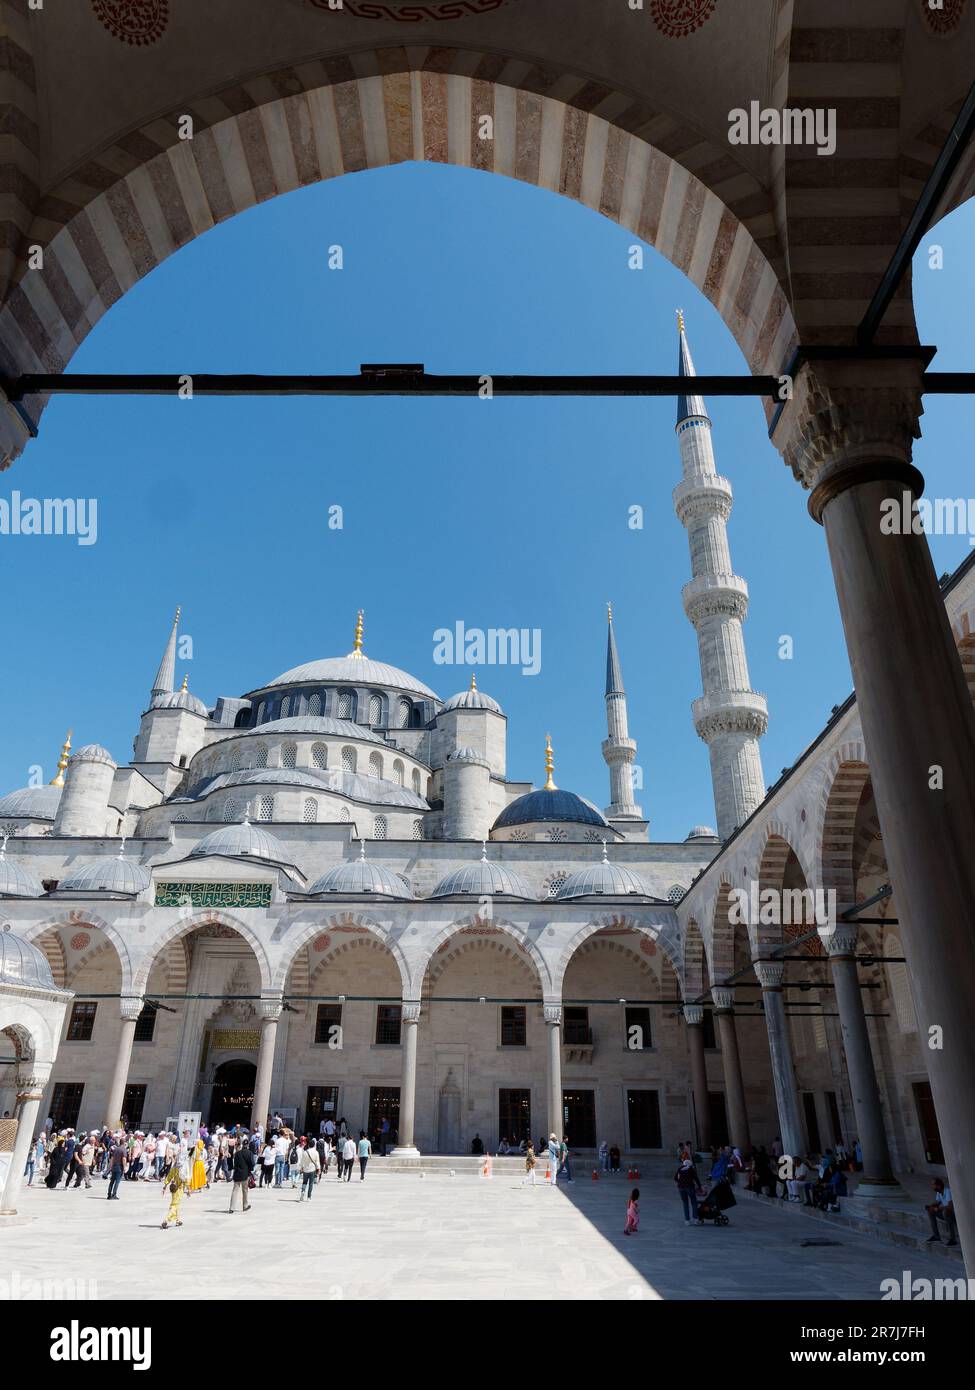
[189, 1120]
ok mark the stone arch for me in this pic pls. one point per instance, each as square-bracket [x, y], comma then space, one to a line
[482, 927]
[338, 950]
[106, 234]
[845, 776]
[81, 920]
[184, 927]
[721, 957]
[339, 929]
[773, 861]
[455, 949]
[29, 1031]
[657, 937]
[53, 947]
[600, 942]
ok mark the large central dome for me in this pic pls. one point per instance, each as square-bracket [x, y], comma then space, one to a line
[357, 670]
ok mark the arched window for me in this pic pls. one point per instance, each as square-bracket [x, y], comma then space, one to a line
[556, 834]
[403, 712]
[380, 828]
[235, 760]
[243, 718]
[260, 712]
[675, 893]
[375, 765]
[900, 986]
[260, 755]
[416, 780]
[231, 809]
[375, 709]
[315, 704]
[265, 808]
[309, 812]
[348, 760]
[555, 883]
[289, 754]
[345, 816]
[346, 705]
[399, 773]
[319, 755]
[418, 830]
[285, 707]
[179, 818]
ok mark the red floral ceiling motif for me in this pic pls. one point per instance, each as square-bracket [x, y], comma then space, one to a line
[322, 943]
[80, 940]
[137, 22]
[648, 947]
[943, 18]
[412, 11]
[678, 18]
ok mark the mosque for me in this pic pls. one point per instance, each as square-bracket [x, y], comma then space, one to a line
[328, 897]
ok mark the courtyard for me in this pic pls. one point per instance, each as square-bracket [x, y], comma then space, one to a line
[407, 1235]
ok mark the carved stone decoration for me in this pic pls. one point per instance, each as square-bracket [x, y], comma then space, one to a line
[693, 1014]
[135, 22]
[723, 998]
[405, 12]
[553, 1014]
[79, 941]
[770, 973]
[410, 1011]
[677, 18]
[842, 941]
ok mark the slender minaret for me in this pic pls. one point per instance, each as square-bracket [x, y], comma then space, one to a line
[619, 749]
[166, 675]
[730, 717]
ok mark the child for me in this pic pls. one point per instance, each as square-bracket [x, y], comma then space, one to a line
[530, 1161]
[632, 1213]
[174, 1186]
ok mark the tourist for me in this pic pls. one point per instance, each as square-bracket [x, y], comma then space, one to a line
[35, 1157]
[503, 1147]
[477, 1146]
[198, 1173]
[799, 1179]
[775, 1148]
[719, 1168]
[565, 1169]
[173, 1188]
[56, 1161]
[267, 1164]
[310, 1167]
[117, 1164]
[688, 1185]
[614, 1158]
[242, 1168]
[530, 1162]
[384, 1135]
[85, 1157]
[348, 1155]
[942, 1209]
[604, 1156]
[282, 1147]
[857, 1156]
[632, 1213]
[365, 1149]
[553, 1159]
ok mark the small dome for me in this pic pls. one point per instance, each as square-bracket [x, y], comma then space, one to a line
[16, 881]
[603, 879]
[702, 832]
[22, 963]
[108, 875]
[553, 805]
[472, 699]
[92, 753]
[467, 755]
[31, 803]
[362, 876]
[181, 699]
[483, 879]
[240, 842]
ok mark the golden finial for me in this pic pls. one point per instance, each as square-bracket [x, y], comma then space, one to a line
[473, 681]
[549, 765]
[680, 320]
[357, 644]
[58, 781]
[183, 687]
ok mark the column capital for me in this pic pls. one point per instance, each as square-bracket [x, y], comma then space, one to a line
[553, 1014]
[410, 1011]
[770, 973]
[852, 410]
[693, 1014]
[30, 1085]
[842, 941]
[723, 998]
[269, 1009]
[131, 1006]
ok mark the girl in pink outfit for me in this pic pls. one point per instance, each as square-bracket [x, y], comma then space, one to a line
[632, 1213]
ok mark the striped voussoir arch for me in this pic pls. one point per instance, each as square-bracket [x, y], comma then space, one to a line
[53, 947]
[722, 958]
[846, 775]
[118, 217]
[694, 970]
[844, 210]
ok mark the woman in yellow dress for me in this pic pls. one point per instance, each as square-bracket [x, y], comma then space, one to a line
[174, 1185]
[198, 1177]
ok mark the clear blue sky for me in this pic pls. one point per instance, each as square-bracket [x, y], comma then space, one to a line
[501, 513]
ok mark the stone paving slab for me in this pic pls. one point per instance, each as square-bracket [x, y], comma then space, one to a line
[399, 1236]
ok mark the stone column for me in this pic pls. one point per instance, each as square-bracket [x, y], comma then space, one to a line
[405, 1147]
[30, 1089]
[877, 1179]
[791, 1128]
[556, 1113]
[270, 1011]
[694, 1018]
[848, 435]
[130, 1008]
[734, 1090]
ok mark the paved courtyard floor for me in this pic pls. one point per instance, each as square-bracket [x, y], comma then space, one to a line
[400, 1235]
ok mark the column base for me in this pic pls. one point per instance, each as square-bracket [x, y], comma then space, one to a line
[867, 1191]
[407, 1151]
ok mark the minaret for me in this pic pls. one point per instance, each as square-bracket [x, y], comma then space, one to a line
[619, 749]
[730, 717]
[163, 684]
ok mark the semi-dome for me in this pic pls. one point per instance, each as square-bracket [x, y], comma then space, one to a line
[702, 832]
[92, 753]
[16, 881]
[603, 879]
[109, 875]
[241, 842]
[22, 963]
[554, 805]
[353, 670]
[472, 699]
[31, 803]
[483, 879]
[362, 876]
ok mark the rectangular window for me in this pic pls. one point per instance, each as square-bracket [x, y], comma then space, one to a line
[82, 1022]
[643, 1115]
[514, 1115]
[928, 1121]
[514, 1026]
[709, 1039]
[145, 1024]
[388, 1022]
[579, 1108]
[383, 1104]
[133, 1104]
[575, 1025]
[637, 1026]
[66, 1103]
[329, 1018]
[321, 1103]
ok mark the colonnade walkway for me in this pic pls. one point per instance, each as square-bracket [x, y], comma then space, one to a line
[400, 1235]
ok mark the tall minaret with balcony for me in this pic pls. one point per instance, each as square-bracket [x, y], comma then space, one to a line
[730, 717]
[619, 749]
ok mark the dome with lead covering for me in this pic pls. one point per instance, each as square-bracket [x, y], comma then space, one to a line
[603, 880]
[472, 699]
[181, 699]
[553, 805]
[702, 832]
[92, 753]
[466, 755]
[483, 879]
[31, 803]
[16, 881]
[109, 875]
[353, 670]
[22, 963]
[243, 841]
[362, 876]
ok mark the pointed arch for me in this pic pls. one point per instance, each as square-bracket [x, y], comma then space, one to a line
[338, 927]
[183, 927]
[659, 933]
[82, 919]
[845, 776]
[472, 924]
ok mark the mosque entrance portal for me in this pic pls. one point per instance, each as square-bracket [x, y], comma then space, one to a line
[233, 1093]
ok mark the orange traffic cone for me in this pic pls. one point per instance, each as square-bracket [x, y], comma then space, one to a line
[595, 1175]
[636, 1172]
[629, 1174]
[548, 1172]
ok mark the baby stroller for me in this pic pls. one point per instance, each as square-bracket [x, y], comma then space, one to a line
[716, 1203]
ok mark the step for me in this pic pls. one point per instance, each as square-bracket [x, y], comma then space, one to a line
[896, 1225]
